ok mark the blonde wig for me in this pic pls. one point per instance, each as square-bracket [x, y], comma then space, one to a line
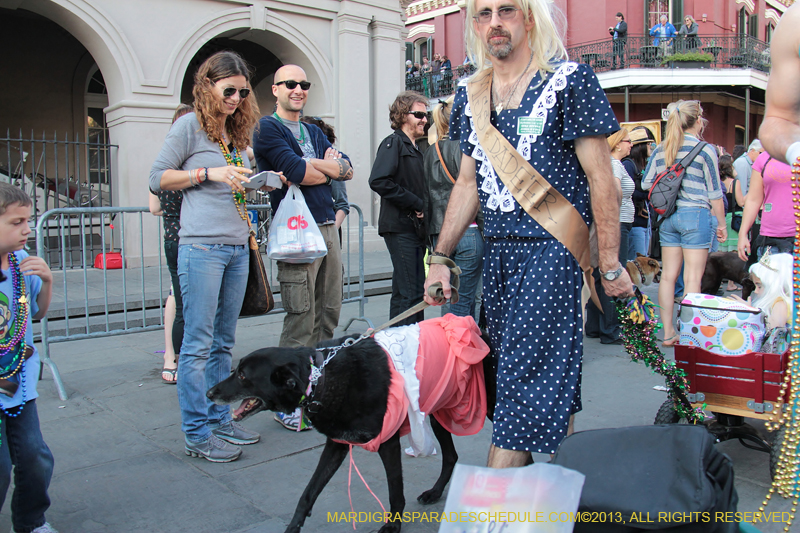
[545, 38]
[775, 273]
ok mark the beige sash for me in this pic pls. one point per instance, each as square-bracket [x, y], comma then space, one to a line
[537, 197]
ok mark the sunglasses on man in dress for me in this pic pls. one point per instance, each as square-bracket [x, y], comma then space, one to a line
[291, 84]
[504, 13]
[418, 114]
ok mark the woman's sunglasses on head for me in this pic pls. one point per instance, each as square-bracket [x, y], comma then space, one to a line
[291, 84]
[227, 92]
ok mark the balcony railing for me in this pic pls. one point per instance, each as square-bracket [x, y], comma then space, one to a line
[637, 51]
[438, 84]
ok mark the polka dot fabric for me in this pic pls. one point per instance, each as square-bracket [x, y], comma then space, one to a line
[582, 109]
[531, 281]
[533, 315]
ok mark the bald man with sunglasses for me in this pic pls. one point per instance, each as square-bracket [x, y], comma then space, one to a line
[311, 292]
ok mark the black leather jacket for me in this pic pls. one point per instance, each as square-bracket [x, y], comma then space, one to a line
[398, 178]
[438, 186]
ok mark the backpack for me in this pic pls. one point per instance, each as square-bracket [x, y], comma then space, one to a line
[690, 483]
[664, 191]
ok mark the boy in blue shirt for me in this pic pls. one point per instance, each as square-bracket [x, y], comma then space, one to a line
[25, 292]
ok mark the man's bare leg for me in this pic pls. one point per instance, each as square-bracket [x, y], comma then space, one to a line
[501, 458]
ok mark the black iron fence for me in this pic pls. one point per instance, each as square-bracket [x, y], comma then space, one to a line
[58, 173]
[438, 83]
[711, 51]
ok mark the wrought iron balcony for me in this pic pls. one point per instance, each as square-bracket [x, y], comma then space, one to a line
[438, 84]
[637, 51]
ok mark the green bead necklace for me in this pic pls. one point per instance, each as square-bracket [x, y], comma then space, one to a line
[235, 159]
[302, 140]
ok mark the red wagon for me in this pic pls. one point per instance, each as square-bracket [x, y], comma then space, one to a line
[733, 387]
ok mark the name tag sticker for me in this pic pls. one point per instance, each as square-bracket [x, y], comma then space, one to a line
[530, 126]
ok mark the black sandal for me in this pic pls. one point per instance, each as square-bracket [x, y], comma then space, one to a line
[172, 372]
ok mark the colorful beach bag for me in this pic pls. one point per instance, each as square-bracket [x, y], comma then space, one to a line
[720, 325]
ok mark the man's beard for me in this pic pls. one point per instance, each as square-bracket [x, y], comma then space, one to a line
[500, 51]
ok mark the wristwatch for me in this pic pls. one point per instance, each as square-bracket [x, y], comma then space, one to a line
[611, 275]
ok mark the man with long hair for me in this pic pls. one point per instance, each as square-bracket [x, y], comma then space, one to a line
[398, 178]
[556, 116]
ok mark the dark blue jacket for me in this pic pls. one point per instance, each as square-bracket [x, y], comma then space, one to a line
[277, 149]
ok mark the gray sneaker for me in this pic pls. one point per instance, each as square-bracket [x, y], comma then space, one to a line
[213, 449]
[46, 528]
[236, 433]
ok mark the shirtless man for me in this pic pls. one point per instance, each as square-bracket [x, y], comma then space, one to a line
[780, 131]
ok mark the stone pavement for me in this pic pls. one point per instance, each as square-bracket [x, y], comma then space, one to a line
[121, 468]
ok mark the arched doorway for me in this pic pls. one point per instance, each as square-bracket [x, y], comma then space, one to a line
[262, 62]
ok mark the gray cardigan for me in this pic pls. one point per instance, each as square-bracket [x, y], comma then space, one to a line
[208, 214]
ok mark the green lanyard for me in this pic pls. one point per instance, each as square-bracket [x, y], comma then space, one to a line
[302, 139]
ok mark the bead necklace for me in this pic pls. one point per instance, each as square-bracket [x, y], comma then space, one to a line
[500, 106]
[235, 159]
[302, 140]
[14, 339]
[787, 470]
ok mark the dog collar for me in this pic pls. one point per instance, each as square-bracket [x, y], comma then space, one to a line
[641, 272]
[316, 379]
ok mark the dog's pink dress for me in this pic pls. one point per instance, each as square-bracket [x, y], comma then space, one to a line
[451, 384]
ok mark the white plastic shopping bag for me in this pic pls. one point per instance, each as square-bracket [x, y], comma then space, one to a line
[293, 235]
[540, 498]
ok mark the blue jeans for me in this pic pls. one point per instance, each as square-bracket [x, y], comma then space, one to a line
[714, 242]
[468, 256]
[638, 242]
[408, 274]
[687, 227]
[213, 278]
[24, 448]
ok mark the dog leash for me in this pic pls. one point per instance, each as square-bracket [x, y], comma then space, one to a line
[435, 291]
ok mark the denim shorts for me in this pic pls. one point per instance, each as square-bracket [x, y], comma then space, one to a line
[688, 227]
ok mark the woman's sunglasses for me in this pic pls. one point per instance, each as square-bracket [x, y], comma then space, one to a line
[418, 114]
[227, 92]
[291, 84]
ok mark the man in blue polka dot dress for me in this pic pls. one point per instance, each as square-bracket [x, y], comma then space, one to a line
[557, 117]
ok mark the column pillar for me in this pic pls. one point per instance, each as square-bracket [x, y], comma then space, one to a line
[388, 75]
[139, 129]
[353, 109]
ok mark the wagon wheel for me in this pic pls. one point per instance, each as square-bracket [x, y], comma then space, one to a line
[667, 414]
[775, 452]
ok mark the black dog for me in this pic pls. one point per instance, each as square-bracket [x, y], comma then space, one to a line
[348, 404]
[726, 265]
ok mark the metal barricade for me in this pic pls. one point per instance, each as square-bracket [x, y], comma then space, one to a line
[106, 294]
[102, 302]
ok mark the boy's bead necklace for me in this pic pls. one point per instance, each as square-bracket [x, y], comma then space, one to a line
[235, 159]
[14, 338]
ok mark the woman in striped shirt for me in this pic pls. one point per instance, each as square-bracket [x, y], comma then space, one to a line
[620, 145]
[686, 234]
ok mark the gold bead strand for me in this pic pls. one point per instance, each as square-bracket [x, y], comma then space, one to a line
[787, 471]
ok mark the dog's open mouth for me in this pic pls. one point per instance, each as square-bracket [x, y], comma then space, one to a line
[248, 407]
